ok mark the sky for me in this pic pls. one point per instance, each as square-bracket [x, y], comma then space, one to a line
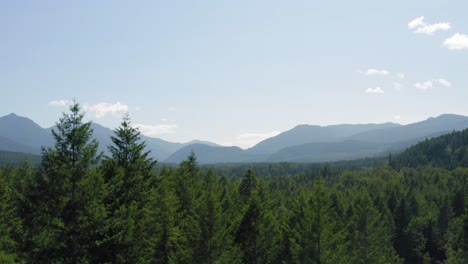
[234, 72]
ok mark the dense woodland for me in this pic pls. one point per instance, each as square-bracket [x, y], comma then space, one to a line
[79, 206]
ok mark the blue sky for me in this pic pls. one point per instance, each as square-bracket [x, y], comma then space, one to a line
[234, 72]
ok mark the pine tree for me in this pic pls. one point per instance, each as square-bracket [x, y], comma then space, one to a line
[128, 176]
[457, 246]
[66, 196]
[187, 190]
[248, 185]
[163, 236]
[328, 238]
[214, 240]
[370, 238]
[248, 234]
[301, 229]
[9, 223]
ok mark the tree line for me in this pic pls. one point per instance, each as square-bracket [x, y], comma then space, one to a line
[79, 206]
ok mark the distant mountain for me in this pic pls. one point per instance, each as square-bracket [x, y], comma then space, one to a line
[209, 154]
[16, 158]
[327, 151]
[372, 143]
[10, 145]
[303, 134]
[196, 141]
[160, 149]
[21, 134]
[434, 125]
[304, 143]
[24, 133]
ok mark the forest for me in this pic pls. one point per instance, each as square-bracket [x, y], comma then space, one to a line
[80, 206]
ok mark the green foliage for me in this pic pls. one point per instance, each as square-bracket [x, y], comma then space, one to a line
[63, 201]
[16, 158]
[448, 151]
[73, 209]
[10, 223]
[127, 174]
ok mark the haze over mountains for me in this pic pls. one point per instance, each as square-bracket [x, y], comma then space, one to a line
[303, 143]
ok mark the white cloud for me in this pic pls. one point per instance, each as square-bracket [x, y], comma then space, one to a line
[376, 72]
[420, 27]
[397, 117]
[164, 119]
[102, 109]
[417, 22]
[456, 42]
[433, 28]
[401, 75]
[444, 82]
[247, 140]
[62, 102]
[430, 84]
[376, 90]
[171, 109]
[423, 85]
[156, 130]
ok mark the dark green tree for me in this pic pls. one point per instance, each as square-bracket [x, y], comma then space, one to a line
[247, 185]
[370, 239]
[66, 197]
[10, 223]
[188, 190]
[457, 246]
[163, 236]
[128, 173]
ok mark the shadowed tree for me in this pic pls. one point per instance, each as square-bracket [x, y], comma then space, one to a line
[127, 173]
[66, 197]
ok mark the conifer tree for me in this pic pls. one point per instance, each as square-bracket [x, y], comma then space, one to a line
[370, 238]
[328, 237]
[247, 185]
[127, 173]
[66, 196]
[212, 229]
[162, 237]
[9, 223]
[187, 190]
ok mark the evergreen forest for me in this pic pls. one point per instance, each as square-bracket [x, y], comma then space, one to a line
[81, 206]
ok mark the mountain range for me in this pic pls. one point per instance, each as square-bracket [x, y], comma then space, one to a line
[303, 143]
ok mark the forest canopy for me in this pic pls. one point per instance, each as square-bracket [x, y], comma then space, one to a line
[78, 206]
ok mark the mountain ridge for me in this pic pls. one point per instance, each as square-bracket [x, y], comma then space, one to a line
[302, 143]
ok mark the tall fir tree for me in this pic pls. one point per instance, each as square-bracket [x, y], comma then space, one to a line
[127, 173]
[66, 196]
[10, 223]
[370, 239]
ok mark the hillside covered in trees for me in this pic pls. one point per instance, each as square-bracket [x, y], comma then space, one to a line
[447, 151]
[78, 206]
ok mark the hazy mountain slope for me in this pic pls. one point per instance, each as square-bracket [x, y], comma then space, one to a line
[160, 149]
[21, 134]
[209, 154]
[327, 151]
[374, 142]
[16, 158]
[29, 136]
[303, 143]
[303, 134]
[431, 126]
[7, 144]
